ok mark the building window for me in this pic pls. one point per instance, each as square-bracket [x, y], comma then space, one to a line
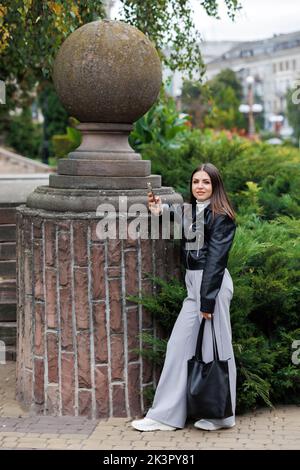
[274, 68]
[246, 53]
[294, 64]
[286, 64]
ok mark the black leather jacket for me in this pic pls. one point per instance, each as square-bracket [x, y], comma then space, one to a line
[211, 254]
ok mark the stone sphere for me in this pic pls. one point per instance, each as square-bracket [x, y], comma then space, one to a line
[107, 71]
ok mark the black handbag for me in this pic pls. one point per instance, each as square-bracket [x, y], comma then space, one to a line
[208, 389]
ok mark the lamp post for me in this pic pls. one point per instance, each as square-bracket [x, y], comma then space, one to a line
[250, 108]
[251, 124]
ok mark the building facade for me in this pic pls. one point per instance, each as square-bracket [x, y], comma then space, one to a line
[273, 62]
[275, 65]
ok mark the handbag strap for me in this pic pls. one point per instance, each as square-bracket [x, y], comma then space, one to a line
[215, 346]
[198, 352]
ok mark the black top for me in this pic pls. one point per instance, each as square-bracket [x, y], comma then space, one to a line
[211, 253]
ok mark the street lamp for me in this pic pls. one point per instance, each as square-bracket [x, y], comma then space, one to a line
[250, 108]
[251, 125]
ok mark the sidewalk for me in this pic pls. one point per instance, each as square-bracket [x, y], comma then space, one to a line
[263, 429]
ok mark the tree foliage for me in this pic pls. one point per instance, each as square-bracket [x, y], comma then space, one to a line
[216, 103]
[24, 135]
[227, 93]
[31, 32]
[196, 100]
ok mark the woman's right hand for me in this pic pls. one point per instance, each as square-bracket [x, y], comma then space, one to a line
[154, 204]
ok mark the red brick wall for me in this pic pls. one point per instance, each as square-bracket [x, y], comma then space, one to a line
[8, 279]
[76, 329]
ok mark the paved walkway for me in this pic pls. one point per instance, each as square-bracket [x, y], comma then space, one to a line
[263, 429]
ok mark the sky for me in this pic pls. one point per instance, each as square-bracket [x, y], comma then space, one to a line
[258, 19]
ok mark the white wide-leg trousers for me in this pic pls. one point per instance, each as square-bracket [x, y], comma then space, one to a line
[169, 405]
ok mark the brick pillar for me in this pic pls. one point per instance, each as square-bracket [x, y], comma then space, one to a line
[77, 332]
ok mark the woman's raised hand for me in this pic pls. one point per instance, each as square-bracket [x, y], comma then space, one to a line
[154, 204]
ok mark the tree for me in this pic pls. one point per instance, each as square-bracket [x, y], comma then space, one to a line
[227, 93]
[55, 118]
[24, 135]
[196, 100]
[31, 32]
[216, 103]
[226, 79]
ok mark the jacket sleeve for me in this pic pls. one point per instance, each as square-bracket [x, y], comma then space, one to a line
[220, 241]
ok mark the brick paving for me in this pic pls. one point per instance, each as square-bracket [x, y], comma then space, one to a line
[263, 429]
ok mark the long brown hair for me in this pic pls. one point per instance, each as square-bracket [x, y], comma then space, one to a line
[220, 203]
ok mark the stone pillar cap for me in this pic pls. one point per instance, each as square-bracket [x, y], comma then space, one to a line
[107, 71]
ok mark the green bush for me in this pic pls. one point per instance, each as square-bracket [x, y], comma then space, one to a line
[65, 143]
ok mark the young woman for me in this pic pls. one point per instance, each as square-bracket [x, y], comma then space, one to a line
[209, 292]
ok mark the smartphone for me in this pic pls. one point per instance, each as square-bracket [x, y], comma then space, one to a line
[150, 190]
